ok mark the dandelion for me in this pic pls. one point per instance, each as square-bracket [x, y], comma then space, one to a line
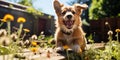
[42, 36]
[5, 41]
[14, 37]
[20, 43]
[117, 30]
[34, 49]
[26, 30]
[107, 24]
[34, 43]
[34, 37]
[3, 32]
[42, 32]
[110, 33]
[8, 17]
[65, 47]
[27, 43]
[21, 20]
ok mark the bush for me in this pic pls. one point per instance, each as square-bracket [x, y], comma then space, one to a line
[104, 8]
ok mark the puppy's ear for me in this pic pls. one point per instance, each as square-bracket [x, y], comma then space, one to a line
[80, 7]
[57, 6]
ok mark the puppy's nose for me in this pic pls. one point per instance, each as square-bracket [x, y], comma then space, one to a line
[69, 16]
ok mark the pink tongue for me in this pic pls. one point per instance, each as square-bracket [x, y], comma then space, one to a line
[68, 24]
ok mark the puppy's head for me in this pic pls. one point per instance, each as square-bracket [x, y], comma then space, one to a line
[68, 14]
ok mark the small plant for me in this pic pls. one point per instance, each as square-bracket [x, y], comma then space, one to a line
[9, 40]
[110, 52]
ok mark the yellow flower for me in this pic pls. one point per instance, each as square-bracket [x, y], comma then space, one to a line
[8, 17]
[34, 49]
[34, 43]
[26, 30]
[21, 20]
[65, 47]
[117, 30]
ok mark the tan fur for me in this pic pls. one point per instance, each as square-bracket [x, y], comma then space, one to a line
[75, 39]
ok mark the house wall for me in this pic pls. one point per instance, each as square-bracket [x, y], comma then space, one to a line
[34, 25]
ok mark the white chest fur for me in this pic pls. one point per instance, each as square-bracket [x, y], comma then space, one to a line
[68, 38]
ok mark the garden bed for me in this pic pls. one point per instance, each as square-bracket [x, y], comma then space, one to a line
[14, 46]
[43, 54]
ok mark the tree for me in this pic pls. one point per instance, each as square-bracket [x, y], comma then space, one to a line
[26, 2]
[104, 8]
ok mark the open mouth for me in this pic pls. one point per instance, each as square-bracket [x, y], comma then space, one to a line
[69, 23]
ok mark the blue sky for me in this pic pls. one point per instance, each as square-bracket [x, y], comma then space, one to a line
[47, 5]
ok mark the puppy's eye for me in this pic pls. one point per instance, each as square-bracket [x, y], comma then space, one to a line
[73, 12]
[64, 12]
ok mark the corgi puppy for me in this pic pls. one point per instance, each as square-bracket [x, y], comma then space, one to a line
[69, 27]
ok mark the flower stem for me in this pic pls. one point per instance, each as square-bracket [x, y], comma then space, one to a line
[117, 36]
[8, 27]
[67, 54]
[1, 24]
[20, 30]
[24, 35]
[110, 37]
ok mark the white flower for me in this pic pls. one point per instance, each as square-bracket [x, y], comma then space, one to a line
[34, 37]
[27, 42]
[42, 32]
[3, 32]
[110, 32]
[14, 37]
[5, 41]
[20, 43]
[106, 23]
[43, 37]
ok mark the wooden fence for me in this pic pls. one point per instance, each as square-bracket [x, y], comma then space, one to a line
[99, 29]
